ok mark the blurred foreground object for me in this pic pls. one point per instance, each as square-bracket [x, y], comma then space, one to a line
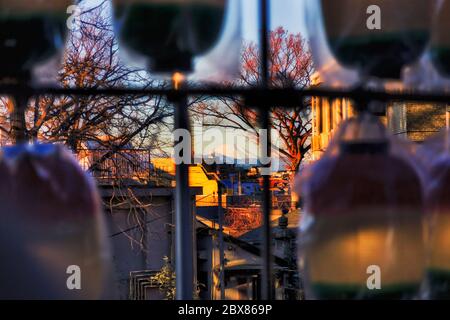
[361, 236]
[59, 211]
[169, 34]
[31, 31]
[21, 277]
[435, 155]
[354, 42]
[440, 44]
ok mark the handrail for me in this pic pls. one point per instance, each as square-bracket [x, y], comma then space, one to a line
[275, 97]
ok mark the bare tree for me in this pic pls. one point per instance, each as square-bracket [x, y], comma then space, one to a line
[92, 61]
[290, 67]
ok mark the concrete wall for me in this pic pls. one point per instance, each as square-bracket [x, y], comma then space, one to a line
[140, 238]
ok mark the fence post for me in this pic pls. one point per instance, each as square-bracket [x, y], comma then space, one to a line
[18, 122]
[221, 242]
[266, 275]
[184, 228]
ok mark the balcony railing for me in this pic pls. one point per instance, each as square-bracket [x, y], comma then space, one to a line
[127, 164]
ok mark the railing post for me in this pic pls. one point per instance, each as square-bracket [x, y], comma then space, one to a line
[267, 275]
[18, 122]
[184, 228]
[221, 242]
[266, 283]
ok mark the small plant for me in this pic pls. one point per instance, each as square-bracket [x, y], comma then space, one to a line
[166, 281]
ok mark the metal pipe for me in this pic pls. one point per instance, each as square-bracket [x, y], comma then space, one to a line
[221, 243]
[184, 228]
[18, 121]
[266, 275]
[278, 97]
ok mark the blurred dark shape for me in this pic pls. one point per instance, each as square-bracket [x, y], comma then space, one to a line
[169, 33]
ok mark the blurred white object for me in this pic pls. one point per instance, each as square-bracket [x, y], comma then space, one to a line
[328, 70]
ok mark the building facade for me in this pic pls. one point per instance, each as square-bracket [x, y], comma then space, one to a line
[417, 122]
[414, 121]
[327, 115]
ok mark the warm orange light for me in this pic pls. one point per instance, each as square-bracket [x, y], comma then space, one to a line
[345, 258]
[177, 79]
[439, 242]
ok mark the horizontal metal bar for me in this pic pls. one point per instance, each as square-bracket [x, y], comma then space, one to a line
[253, 96]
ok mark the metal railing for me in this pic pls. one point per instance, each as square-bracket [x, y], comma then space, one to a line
[126, 164]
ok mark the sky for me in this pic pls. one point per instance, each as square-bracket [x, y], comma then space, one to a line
[286, 13]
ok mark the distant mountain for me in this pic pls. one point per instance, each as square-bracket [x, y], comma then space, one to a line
[277, 164]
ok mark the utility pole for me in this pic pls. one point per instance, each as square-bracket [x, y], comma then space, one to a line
[184, 226]
[266, 274]
[221, 243]
[18, 121]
